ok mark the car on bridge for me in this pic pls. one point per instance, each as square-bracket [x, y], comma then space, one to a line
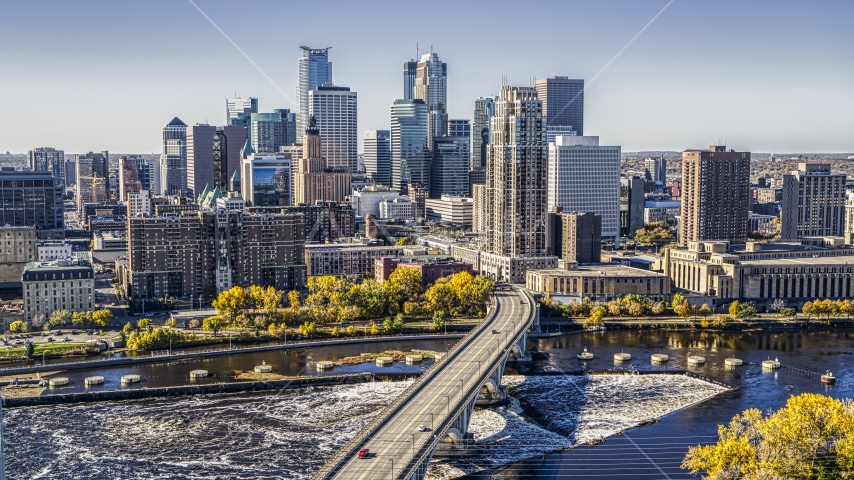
[422, 428]
[364, 453]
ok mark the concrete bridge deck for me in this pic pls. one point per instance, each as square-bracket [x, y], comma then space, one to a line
[441, 400]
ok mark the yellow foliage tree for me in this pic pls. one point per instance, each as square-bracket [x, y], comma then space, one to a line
[230, 303]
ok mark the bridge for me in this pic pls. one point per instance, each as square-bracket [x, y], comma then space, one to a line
[442, 400]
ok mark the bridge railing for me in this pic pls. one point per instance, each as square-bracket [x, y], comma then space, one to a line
[337, 461]
[425, 452]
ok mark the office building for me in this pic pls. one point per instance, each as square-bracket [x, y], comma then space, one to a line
[632, 205]
[32, 199]
[563, 101]
[267, 180]
[19, 247]
[600, 283]
[661, 211]
[269, 132]
[50, 251]
[554, 131]
[395, 209]
[213, 155]
[449, 170]
[431, 267]
[325, 221]
[378, 156]
[334, 111]
[484, 109]
[456, 210]
[315, 180]
[459, 128]
[431, 85]
[70, 173]
[173, 159]
[239, 110]
[315, 70]
[190, 255]
[584, 176]
[655, 169]
[417, 194]
[345, 259]
[574, 236]
[409, 152]
[91, 187]
[98, 165]
[813, 202]
[57, 285]
[410, 70]
[479, 213]
[47, 159]
[715, 195]
[129, 180]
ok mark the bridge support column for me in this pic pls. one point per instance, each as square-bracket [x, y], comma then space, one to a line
[492, 392]
[518, 349]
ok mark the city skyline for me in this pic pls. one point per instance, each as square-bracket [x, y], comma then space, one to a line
[639, 101]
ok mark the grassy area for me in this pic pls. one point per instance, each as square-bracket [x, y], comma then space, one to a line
[49, 348]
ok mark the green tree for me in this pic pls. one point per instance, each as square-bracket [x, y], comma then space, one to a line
[82, 319]
[30, 349]
[403, 284]
[788, 312]
[213, 324]
[438, 320]
[677, 300]
[735, 308]
[103, 317]
[371, 298]
[59, 317]
[398, 325]
[308, 329]
[655, 233]
[388, 326]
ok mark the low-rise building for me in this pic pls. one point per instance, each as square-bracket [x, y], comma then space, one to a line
[107, 224]
[52, 250]
[398, 209]
[58, 285]
[449, 209]
[17, 249]
[661, 211]
[345, 259]
[513, 269]
[598, 282]
[816, 268]
[110, 240]
[431, 267]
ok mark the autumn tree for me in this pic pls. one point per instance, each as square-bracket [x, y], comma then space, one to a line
[102, 317]
[654, 233]
[82, 319]
[230, 303]
[293, 299]
[214, 324]
[438, 320]
[597, 314]
[402, 284]
[59, 317]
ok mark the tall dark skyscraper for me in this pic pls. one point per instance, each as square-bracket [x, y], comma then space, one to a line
[484, 109]
[213, 155]
[409, 70]
[563, 102]
[32, 199]
[378, 156]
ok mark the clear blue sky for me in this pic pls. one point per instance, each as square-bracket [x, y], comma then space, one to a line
[764, 75]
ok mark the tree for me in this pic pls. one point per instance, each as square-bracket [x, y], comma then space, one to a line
[597, 313]
[214, 324]
[38, 320]
[788, 312]
[404, 241]
[371, 298]
[308, 329]
[143, 324]
[388, 326]
[293, 299]
[677, 300]
[59, 317]
[734, 308]
[812, 437]
[438, 320]
[31, 349]
[351, 330]
[194, 323]
[685, 310]
[82, 319]
[171, 323]
[809, 309]
[230, 303]
[398, 324]
[16, 326]
[705, 311]
[375, 330]
[777, 304]
[655, 233]
[403, 284]
[104, 317]
[846, 307]
[335, 332]
[615, 308]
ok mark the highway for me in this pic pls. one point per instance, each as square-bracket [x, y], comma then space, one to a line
[393, 446]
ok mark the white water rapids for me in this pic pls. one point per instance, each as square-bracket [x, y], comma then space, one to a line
[288, 434]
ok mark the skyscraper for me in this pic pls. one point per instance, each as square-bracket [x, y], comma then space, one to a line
[335, 112]
[378, 156]
[32, 199]
[450, 166]
[459, 128]
[129, 180]
[315, 70]
[409, 153]
[563, 101]
[484, 109]
[655, 169]
[213, 155]
[632, 204]
[431, 85]
[410, 69]
[270, 131]
[47, 159]
[813, 202]
[584, 176]
[239, 110]
[516, 175]
[173, 159]
[315, 180]
[91, 185]
[715, 195]
[267, 180]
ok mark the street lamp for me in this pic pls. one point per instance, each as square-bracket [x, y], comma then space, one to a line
[449, 402]
[431, 421]
[478, 367]
[462, 388]
[392, 467]
[412, 450]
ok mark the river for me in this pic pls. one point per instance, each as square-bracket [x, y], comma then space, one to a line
[287, 434]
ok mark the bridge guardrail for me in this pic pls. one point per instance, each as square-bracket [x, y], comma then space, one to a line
[349, 449]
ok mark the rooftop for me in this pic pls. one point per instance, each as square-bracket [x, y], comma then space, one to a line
[599, 271]
[833, 260]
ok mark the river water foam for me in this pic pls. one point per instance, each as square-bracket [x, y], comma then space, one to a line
[290, 433]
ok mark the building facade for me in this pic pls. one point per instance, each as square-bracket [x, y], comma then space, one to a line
[715, 195]
[584, 176]
[315, 180]
[574, 236]
[267, 180]
[453, 209]
[655, 169]
[431, 85]
[315, 70]
[193, 254]
[47, 159]
[239, 110]
[57, 285]
[268, 132]
[599, 283]
[449, 170]
[32, 199]
[346, 259]
[484, 109]
[813, 202]
[397, 209]
[213, 155]
[563, 101]
[632, 204]
[335, 112]
[378, 156]
[410, 156]
[431, 267]
[173, 159]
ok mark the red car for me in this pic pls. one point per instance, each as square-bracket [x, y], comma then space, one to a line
[364, 453]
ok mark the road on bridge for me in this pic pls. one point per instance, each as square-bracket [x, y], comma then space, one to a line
[398, 439]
